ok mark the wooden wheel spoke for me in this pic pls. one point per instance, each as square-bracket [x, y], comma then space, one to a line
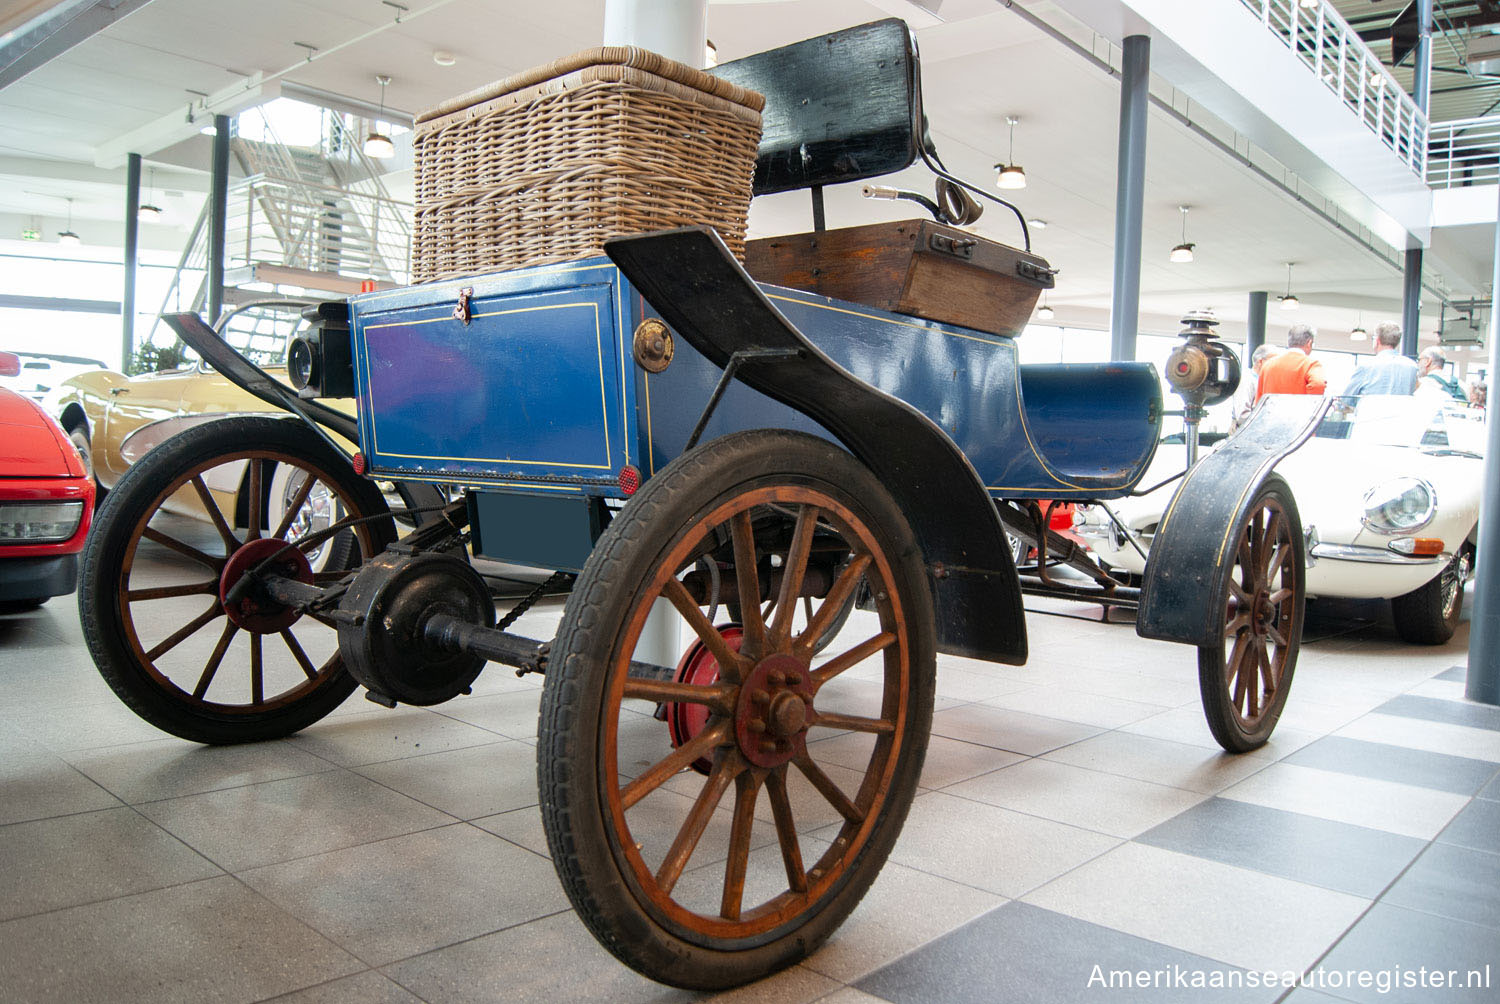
[1232, 665]
[167, 592]
[853, 723]
[1238, 623]
[859, 653]
[1237, 592]
[256, 503]
[1270, 543]
[1280, 596]
[675, 762]
[841, 590]
[296, 649]
[725, 770]
[295, 505]
[786, 830]
[174, 639]
[214, 513]
[793, 572]
[1276, 636]
[718, 698]
[747, 578]
[186, 550]
[731, 663]
[747, 786]
[828, 789]
[257, 672]
[212, 666]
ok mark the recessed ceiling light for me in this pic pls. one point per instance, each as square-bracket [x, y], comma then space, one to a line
[1037, 224]
[443, 57]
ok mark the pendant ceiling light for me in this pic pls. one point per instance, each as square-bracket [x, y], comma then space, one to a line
[1183, 253]
[148, 210]
[1044, 312]
[377, 143]
[1289, 302]
[1011, 175]
[1359, 333]
[68, 236]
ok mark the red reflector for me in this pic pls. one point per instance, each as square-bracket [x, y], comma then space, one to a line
[1427, 545]
[359, 463]
[367, 285]
[630, 479]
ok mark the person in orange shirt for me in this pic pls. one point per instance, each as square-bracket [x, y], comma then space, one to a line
[1295, 371]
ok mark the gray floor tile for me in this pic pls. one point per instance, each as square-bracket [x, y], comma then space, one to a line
[1160, 761]
[1106, 803]
[522, 827]
[1303, 848]
[1359, 801]
[375, 737]
[69, 860]
[956, 838]
[210, 941]
[1076, 706]
[1476, 827]
[574, 969]
[365, 988]
[1394, 763]
[144, 772]
[466, 783]
[1459, 673]
[510, 715]
[1397, 944]
[1425, 734]
[1237, 916]
[1479, 716]
[400, 897]
[1454, 882]
[1016, 731]
[261, 824]
[1491, 791]
[1047, 957]
[35, 784]
[948, 761]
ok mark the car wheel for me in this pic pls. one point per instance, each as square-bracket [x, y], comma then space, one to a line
[1428, 615]
[317, 509]
[79, 437]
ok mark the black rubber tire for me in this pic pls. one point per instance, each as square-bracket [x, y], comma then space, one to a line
[1422, 617]
[78, 435]
[135, 497]
[585, 847]
[1229, 727]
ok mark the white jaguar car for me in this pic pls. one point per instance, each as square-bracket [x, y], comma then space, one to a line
[1388, 490]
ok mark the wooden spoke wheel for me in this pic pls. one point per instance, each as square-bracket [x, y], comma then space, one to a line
[176, 534]
[712, 877]
[1244, 678]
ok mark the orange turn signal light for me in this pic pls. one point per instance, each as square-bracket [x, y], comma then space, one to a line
[1427, 545]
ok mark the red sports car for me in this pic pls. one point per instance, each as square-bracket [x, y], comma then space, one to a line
[46, 500]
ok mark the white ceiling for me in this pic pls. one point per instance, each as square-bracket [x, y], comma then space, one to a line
[982, 65]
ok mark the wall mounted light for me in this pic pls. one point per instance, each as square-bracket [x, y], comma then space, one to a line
[1183, 253]
[68, 236]
[378, 144]
[1289, 302]
[1011, 175]
[148, 211]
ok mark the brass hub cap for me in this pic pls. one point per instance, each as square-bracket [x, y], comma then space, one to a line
[772, 713]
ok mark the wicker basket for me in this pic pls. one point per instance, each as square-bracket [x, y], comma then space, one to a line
[545, 165]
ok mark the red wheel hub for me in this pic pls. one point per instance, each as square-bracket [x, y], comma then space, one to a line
[697, 666]
[775, 705]
[254, 612]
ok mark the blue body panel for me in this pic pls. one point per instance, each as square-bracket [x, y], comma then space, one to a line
[538, 391]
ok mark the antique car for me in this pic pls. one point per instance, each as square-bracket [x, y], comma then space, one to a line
[722, 453]
[1389, 492]
[46, 502]
[39, 375]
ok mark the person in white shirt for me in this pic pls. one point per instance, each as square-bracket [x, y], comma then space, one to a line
[1431, 383]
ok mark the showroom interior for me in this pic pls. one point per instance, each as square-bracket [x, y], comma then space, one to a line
[931, 321]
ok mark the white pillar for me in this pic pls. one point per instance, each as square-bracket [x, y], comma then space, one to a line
[675, 28]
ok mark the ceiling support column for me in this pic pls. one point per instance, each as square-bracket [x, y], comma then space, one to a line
[1411, 302]
[1130, 193]
[676, 29]
[1255, 325]
[1421, 86]
[218, 209]
[1483, 681]
[132, 253]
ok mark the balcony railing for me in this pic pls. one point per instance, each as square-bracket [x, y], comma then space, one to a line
[1464, 152]
[1333, 51]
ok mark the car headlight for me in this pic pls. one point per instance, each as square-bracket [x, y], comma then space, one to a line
[1400, 505]
[38, 522]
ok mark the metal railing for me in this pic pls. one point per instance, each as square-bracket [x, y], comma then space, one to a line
[320, 228]
[1333, 51]
[1464, 152]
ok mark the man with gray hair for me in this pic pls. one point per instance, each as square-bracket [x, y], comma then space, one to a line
[1295, 371]
[1388, 372]
[1432, 385]
[1244, 398]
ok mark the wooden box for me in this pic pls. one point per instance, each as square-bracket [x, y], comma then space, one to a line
[915, 267]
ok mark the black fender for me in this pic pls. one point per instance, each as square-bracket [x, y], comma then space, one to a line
[690, 278]
[1182, 591]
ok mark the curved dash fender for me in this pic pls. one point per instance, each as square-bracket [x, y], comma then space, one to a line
[697, 286]
[1182, 594]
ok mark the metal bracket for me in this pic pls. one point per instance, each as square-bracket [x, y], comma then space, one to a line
[959, 247]
[461, 310]
[743, 355]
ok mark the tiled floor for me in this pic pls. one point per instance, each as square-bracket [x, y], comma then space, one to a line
[1075, 819]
